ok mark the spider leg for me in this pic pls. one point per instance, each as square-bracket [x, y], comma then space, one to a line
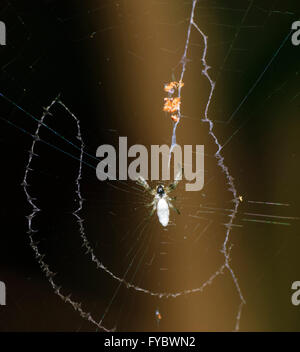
[142, 182]
[153, 209]
[173, 206]
[178, 177]
[152, 204]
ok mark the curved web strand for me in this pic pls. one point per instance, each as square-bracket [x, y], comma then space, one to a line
[86, 244]
[89, 250]
[231, 186]
[35, 210]
[85, 241]
[85, 159]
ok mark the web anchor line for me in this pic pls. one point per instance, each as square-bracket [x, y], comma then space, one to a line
[183, 62]
[220, 159]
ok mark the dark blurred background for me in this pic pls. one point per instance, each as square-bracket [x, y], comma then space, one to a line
[108, 60]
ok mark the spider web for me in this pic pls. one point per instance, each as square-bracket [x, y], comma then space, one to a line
[94, 239]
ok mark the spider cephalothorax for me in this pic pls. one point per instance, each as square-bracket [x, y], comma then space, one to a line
[161, 200]
[160, 190]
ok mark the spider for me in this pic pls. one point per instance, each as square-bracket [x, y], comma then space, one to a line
[161, 200]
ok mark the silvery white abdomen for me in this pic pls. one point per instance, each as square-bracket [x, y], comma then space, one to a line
[163, 212]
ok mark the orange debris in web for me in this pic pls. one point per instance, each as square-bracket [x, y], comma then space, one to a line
[172, 105]
[175, 118]
[170, 87]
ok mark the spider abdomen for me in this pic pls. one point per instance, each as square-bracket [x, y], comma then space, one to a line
[163, 212]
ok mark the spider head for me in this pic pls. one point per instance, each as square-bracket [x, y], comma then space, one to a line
[160, 190]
